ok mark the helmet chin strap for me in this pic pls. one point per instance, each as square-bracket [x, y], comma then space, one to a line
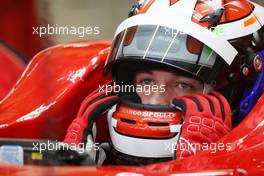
[207, 88]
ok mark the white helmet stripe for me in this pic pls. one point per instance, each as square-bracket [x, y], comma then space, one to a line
[180, 7]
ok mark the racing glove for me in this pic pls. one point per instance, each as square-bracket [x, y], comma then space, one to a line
[95, 104]
[82, 131]
[207, 118]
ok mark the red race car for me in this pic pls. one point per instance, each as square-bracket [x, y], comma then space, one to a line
[45, 100]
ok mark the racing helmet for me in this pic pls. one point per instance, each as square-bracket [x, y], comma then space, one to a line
[219, 42]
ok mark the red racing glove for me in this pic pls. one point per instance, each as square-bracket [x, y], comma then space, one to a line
[207, 118]
[95, 104]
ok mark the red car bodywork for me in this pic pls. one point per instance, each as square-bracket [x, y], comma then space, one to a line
[45, 100]
[47, 97]
[11, 68]
[18, 19]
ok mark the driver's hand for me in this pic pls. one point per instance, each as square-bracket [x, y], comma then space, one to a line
[82, 129]
[207, 118]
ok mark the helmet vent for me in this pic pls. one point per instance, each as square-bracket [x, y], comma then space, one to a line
[128, 121]
[158, 124]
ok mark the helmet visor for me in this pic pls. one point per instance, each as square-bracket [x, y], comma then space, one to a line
[165, 45]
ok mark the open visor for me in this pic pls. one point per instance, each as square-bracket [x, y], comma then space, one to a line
[167, 46]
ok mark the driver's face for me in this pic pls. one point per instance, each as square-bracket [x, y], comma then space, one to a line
[169, 85]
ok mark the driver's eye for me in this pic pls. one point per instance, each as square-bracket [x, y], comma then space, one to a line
[184, 86]
[146, 82]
